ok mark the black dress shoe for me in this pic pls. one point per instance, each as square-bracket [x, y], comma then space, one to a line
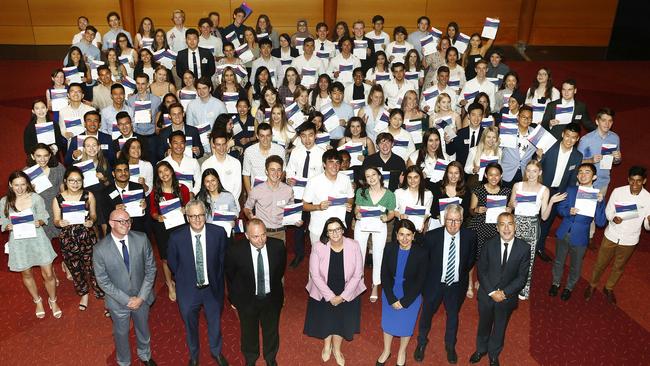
[149, 362]
[609, 295]
[221, 361]
[589, 292]
[296, 261]
[382, 363]
[494, 362]
[553, 290]
[543, 256]
[193, 363]
[418, 355]
[566, 294]
[452, 356]
[476, 357]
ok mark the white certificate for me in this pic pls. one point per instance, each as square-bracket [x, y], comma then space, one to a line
[414, 128]
[538, 112]
[385, 175]
[245, 54]
[89, 171]
[74, 212]
[417, 214]
[429, 44]
[442, 204]
[23, 224]
[345, 73]
[134, 173]
[626, 210]
[526, 204]
[370, 221]
[541, 138]
[330, 119]
[133, 201]
[38, 178]
[171, 210]
[204, 135]
[299, 187]
[508, 135]
[292, 214]
[439, 170]
[496, 204]
[564, 114]
[308, 77]
[295, 115]
[45, 133]
[142, 111]
[360, 49]
[586, 201]
[230, 99]
[490, 28]
[225, 219]
[59, 99]
[483, 162]
[462, 41]
[356, 151]
[74, 126]
[337, 207]
[607, 160]
[186, 96]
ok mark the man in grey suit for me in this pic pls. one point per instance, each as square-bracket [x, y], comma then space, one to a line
[125, 269]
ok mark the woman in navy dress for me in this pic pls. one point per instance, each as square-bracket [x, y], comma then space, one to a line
[403, 272]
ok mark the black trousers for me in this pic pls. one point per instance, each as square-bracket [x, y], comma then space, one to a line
[451, 296]
[264, 312]
[493, 320]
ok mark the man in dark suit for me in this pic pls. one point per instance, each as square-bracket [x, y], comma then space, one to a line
[126, 270]
[196, 256]
[92, 121]
[451, 256]
[560, 169]
[467, 137]
[199, 60]
[502, 272]
[125, 125]
[177, 115]
[112, 197]
[580, 114]
[254, 271]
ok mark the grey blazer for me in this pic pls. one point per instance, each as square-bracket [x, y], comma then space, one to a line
[112, 276]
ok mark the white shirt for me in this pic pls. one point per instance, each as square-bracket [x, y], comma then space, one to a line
[176, 39]
[318, 189]
[399, 57]
[119, 245]
[628, 231]
[486, 87]
[190, 62]
[313, 63]
[265, 260]
[297, 161]
[229, 174]
[69, 113]
[383, 35]
[213, 43]
[203, 251]
[146, 171]
[394, 93]
[445, 255]
[254, 160]
[187, 166]
[340, 60]
[404, 197]
[509, 248]
[560, 166]
[97, 41]
[273, 64]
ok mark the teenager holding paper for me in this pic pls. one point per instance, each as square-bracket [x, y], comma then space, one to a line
[509, 84]
[109, 113]
[497, 69]
[109, 39]
[443, 109]
[208, 40]
[491, 186]
[262, 94]
[395, 128]
[342, 110]
[267, 60]
[289, 83]
[433, 62]
[42, 156]
[395, 89]
[467, 137]
[514, 159]
[480, 83]
[283, 133]
[514, 102]
[308, 59]
[145, 127]
[355, 131]
[237, 25]
[87, 46]
[256, 154]
[359, 90]
[263, 25]
[541, 90]
[92, 120]
[251, 40]
[165, 187]
[528, 199]
[577, 111]
[343, 58]
[301, 32]
[112, 197]
[456, 72]
[475, 52]
[488, 146]
[145, 65]
[321, 43]
[427, 155]
[205, 108]
[215, 196]
[320, 94]
[82, 23]
[452, 185]
[228, 84]
[75, 58]
[146, 29]
[162, 115]
[381, 68]
[373, 110]
[132, 150]
[59, 85]
[358, 29]
[186, 167]
[377, 34]
[75, 109]
[412, 65]
[30, 136]
[573, 232]
[125, 49]
[372, 193]
[412, 192]
[412, 112]
[421, 32]
[29, 252]
[396, 50]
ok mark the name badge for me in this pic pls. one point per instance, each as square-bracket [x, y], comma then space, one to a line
[204, 61]
[579, 116]
[281, 203]
[466, 141]
[251, 128]
[572, 167]
[104, 146]
[114, 194]
[223, 207]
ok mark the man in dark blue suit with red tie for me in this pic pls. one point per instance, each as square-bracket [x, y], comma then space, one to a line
[196, 258]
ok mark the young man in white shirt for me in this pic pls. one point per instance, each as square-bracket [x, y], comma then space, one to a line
[442, 78]
[208, 40]
[118, 105]
[479, 84]
[176, 35]
[380, 38]
[255, 155]
[268, 61]
[187, 169]
[395, 89]
[205, 108]
[82, 23]
[74, 110]
[308, 59]
[321, 43]
[229, 168]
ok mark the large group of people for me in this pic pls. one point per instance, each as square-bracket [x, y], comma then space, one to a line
[430, 164]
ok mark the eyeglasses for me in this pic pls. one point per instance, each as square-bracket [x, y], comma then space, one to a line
[338, 230]
[75, 180]
[123, 222]
[195, 217]
[453, 222]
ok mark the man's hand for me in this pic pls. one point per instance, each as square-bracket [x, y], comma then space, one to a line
[134, 303]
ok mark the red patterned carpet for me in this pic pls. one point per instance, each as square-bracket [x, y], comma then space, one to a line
[543, 331]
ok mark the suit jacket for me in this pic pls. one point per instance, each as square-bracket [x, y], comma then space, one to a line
[110, 198]
[580, 116]
[113, 277]
[278, 53]
[415, 273]
[191, 131]
[180, 258]
[578, 226]
[319, 262]
[434, 241]
[512, 279]
[105, 143]
[240, 273]
[205, 61]
[549, 164]
[143, 146]
[30, 138]
[459, 147]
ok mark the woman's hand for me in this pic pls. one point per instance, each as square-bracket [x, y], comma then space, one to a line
[88, 223]
[558, 197]
[397, 305]
[161, 218]
[480, 209]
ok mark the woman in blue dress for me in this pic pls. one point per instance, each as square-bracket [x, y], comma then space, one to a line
[403, 271]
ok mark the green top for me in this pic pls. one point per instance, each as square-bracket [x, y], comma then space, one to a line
[387, 201]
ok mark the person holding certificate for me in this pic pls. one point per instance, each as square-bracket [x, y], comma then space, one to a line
[23, 208]
[487, 150]
[165, 188]
[40, 129]
[573, 233]
[78, 234]
[493, 187]
[372, 193]
[214, 196]
[413, 192]
[123, 194]
[427, 155]
[339, 67]
[452, 186]
[527, 199]
[566, 110]
[396, 50]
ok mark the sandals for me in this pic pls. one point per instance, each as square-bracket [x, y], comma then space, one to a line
[107, 314]
[373, 298]
[57, 314]
[82, 306]
[39, 314]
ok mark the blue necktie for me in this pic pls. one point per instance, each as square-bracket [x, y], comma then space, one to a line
[125, 254]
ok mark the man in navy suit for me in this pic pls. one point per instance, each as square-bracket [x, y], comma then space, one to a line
[451, 256]
[177, 115]
[92, 121]
[469, 136]
[580, 114]
[502, 273]
[560, 168]
[199, 60]
[196, 258]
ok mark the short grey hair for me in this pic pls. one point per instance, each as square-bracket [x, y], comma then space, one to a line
[195, 202]
[454, 207]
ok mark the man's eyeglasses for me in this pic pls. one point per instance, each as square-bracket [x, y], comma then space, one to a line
[123, 222]
[453, 221]
[195, 217]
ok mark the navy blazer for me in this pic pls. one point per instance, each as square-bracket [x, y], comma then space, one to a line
[459, 147]
[276, 52]
[415, 273]
[105, 143]
[434, 241]
[109, 198]
[549, 164]
[513, 278]
[580, 116]
[180, 258]
[191, 131]
[207, 68]
[578, 226]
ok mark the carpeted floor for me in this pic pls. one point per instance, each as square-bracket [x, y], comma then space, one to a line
[544, 331]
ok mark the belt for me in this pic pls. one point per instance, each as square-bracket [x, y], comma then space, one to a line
[268, 230]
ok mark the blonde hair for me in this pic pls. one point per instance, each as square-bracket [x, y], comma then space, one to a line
[480, 148]
[539, 166]
[101, 161]
[440, 96]
[178, 11]
[284, 123]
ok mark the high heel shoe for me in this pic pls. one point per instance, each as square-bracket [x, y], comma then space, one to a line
[382, 363]
[374, 297]
[326, 353]
[57, 314]
[39, 314]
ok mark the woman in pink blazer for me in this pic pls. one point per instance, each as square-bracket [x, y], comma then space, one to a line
[335, 283]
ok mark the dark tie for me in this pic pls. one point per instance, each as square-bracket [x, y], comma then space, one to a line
[451, 262]
[198, 259]
[261, 291]
[305, 167]
[505, 257]
[195, 65]
[125, 254]
[473, 141]
[322, 46]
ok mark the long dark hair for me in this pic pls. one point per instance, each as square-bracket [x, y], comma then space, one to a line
[154, 46]
[257, 88]
[33, 118]
[460, 185]
[422, 152]
[315, 91]
[269, 27]
[421, 187]
[11, 196]
[334, 37]
[548, 93]
[285, 82]
[82, 64]
[157, 183]
[152, 31]
[41, 146]
[117, 43]
[363, 184]
[124, 152]
[348, 132]
[203, 194]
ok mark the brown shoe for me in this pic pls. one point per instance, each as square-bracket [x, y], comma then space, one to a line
[589, 292]
[609, 294]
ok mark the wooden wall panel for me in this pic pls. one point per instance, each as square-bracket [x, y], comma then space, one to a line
[17, 34]
[160, 11]
[65, 13]
[15, 13]
[404, 13]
